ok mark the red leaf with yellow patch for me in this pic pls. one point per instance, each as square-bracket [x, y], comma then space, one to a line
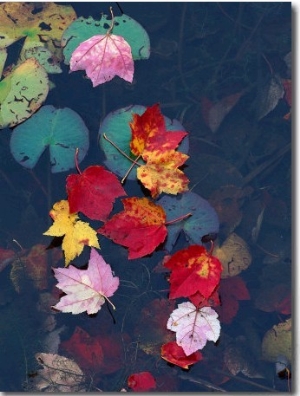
[174, 353]
[193, 270]
[140, 227]
[149, 132]
[93, 192]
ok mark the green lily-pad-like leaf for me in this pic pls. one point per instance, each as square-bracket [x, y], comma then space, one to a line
[62, 130]
[84, 28]
[22, 92]
[3, 56]
[41, 22]
[45, 58]
[203, 219]
[116, 127]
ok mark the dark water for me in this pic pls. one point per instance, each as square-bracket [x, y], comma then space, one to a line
[240, 162]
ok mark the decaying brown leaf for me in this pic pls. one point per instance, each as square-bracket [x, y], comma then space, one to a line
[278, 341]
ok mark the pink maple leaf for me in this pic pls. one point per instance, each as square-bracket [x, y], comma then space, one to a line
[86, 290]
[194, 327]
[103, 57]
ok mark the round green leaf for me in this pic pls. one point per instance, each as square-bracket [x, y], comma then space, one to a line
[62, 130]
[116, 127]
[22, 92]
[84, 28]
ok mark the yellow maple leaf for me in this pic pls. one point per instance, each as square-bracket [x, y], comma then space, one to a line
[76, 233]
[161, 173]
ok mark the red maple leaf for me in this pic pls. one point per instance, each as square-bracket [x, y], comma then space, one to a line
[149, 132]
[141, 382]
[193, 270]
[231, 291]
[93, 192]
[140, 227]
[174, 353]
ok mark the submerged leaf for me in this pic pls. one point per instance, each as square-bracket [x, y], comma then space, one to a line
[173, 353]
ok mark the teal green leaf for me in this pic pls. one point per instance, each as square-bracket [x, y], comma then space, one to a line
[116, 127]
[84, 28]
[63, 130]
[45, 58]
[22, 92]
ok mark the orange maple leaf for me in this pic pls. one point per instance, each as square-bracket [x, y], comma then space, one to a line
[161, 173]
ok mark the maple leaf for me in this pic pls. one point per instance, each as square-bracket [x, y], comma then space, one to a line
[93, 192]
[76, 233]
[140, 227]
[148, 132]
[86, 290]
[194, 327]
[103, 57]
[141, 382]
[161, 173]
[193, 270]
[173, 353]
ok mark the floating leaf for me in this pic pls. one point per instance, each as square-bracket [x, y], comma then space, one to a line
[59, 374]
[234, 255]
[45, 58]
[22, 92]
[76, 233]
[3, 56]
[194, 327]
[42, 23]
[141, 382]
[193, 270]
[203, 219]
[84, 28]
[116, 126]
[140, 227]
[86, 290]
[270, 96]
[62, 130]
[103, 57]
[173, 353]
[93, 192]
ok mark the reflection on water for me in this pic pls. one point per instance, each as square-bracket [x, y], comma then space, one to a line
[222, 70]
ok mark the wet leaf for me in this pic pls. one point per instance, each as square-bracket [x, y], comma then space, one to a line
[141, 382]
[84, 28]
[59, 374]
[45, 58]
[116, 126]
[140, 227]
[194, 327]
[76, 233]
[193, 270]
[278, 341]
[271, 94]
[63, 130]
[22, 92]
[173, 353]
[93, 192]
[203, 219]
[272, 298]
[86, 290]
[234, 255]
[103, 57]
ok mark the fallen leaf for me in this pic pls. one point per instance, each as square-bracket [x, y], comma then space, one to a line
[86, 290]
[234, 255]
[76, 233]
[173, 353]
[103, 57]
[59, 374]
[141, 382]
[272, 298]
[193, 270]
[93, 192]
[272, 92]
[140, 227]
[194, 327]
[278, 341]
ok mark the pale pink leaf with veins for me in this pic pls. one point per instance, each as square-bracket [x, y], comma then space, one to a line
[194, 327]
[86, 290]
[103, 57]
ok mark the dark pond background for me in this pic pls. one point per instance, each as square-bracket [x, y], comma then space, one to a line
[199, 51]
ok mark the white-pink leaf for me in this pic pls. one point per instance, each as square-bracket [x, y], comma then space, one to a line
[103, 57]
[85, 290]
[194, 327]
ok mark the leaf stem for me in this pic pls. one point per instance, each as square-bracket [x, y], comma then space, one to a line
[129, 170]
[76, 160]
[112, 21]
[179, 218]
[108, 300]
